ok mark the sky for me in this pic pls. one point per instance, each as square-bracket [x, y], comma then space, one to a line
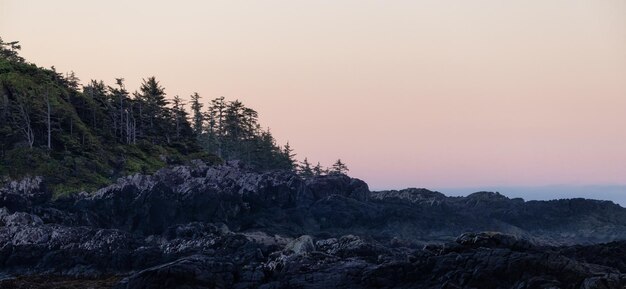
[450, 94]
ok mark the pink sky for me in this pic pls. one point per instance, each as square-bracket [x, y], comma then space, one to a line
[435, 93]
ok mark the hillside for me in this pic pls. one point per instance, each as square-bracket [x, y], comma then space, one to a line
[81, 137]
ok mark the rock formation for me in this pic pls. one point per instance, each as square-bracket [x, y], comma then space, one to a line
[200, 226]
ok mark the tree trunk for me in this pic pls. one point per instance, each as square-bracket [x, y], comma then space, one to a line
[24, 124]
[48, 120]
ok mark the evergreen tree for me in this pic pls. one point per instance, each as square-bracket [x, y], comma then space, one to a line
[120, 101]
[216, 115]
[9, 50]
[265, 151]
[181, 122]
[338, 168]
[72, 81]
[218, 109]
[305, 170]
[289, 157]
[209, 140]
[154, 112]
[197, 116]
[249, 122]
[100, 107]
[318, 170]
[233, 120]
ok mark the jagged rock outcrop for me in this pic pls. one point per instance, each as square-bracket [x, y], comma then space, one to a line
[566, 221]
[413, 195]
[18, 219]
[149, 204]
[24, 194]
[283, 203]
[225, 226]
[302, 245]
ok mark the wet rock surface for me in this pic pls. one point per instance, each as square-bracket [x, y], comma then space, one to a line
[228, 227]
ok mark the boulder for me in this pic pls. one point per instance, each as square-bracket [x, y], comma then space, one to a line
[302, 245]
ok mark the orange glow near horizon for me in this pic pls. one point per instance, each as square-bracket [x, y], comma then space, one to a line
[427, 93]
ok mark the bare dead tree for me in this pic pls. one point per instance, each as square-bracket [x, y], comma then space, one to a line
[21, 120]
[48, 119]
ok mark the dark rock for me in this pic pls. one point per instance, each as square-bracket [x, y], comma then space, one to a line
[412, 195]
[22, 195]
[227, 226]
[494, 240]
[196, 271]
[302, 245]
[19, 219]
[32, 188]
[342, 185]
[352, 246]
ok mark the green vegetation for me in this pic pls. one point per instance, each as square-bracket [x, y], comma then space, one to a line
[83, 137]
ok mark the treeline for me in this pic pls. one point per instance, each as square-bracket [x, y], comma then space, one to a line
[51, 125]
[227, 129]
[231, 131]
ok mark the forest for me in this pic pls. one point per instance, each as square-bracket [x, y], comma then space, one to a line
[80, 137]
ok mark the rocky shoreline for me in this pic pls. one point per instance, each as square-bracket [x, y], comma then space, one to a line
[200, 226]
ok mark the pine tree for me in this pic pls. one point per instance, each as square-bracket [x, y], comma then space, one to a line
[216, 123]
[218, 109]
[318, 170]
[289, 157]
[100, 107]
[233, 120]
[197, 116]
[72, 80]
[120, 101]
[154, 109]
[233, 130]
[9, 50]
[266, 153]
[180, 116]
[304, 169]
[338, 168]
[209, 139]
[249, 122]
